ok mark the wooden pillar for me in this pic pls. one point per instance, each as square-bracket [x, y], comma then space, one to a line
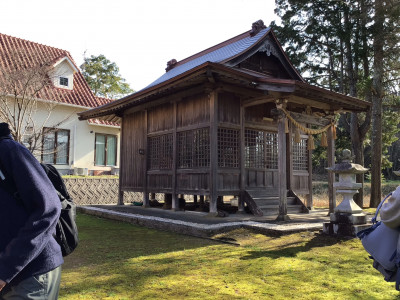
[309, 203]
[175, 200]
[331, 175]
[213, 151]
[195, 201]
[152, 196]
[242, 161]
[121, 166]
[167, 201]
[201, 205]
[282, 169]
[145, 157]
[289, 157]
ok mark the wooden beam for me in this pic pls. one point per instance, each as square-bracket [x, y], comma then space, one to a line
[276, 88]
[307, 119]
[257, 101]
[165, 99]
[312, 103]
[250, 92]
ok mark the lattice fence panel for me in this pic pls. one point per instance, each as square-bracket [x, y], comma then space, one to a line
[271, 150]
[300, 155]
[261, 149]
[161, 152]
[193, 148]
[228, 148]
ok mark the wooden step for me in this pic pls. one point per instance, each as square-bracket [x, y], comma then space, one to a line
[273, 201]
[267, 202]
[274, 210]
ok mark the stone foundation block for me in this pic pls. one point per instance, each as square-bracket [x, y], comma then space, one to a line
[346, 218]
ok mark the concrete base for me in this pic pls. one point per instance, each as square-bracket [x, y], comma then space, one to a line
[345, 224]
[283, 218]
[343, 229]
[346, 218]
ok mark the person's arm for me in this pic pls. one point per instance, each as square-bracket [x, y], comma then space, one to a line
[2, 284]
[39, 199]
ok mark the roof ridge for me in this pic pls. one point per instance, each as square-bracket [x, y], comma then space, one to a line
[213, 48]
[40, 44]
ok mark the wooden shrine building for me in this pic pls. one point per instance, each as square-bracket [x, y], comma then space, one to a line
[234, 119]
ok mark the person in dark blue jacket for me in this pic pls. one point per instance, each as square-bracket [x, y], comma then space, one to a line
[30, 258]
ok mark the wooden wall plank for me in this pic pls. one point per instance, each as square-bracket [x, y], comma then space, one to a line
[228, 108]
[134, 140]
[193, 110]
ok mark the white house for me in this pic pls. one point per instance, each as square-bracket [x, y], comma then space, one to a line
[89, 147]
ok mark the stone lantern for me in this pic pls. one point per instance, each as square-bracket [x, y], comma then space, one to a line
[348, 217]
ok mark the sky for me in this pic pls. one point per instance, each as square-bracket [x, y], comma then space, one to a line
[139, 36]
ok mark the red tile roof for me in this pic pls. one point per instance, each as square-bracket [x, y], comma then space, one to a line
[16, 53]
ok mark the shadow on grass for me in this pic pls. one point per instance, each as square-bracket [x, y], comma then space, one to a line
[292, 249]
[120, 258]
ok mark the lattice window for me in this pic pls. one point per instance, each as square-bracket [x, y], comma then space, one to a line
[261, 149]
[160, 152]
[193, 148]
[300, 155]
[271, 150]
[228, 148]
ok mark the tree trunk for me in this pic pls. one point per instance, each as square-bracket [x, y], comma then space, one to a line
[377, 95]
[356, 138]
[357, 149]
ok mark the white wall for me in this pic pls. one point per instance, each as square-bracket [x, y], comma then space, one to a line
[62, 69]
[82, 136]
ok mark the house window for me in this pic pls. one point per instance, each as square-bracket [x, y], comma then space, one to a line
[64, 81]
[105, 153]
[55, 146]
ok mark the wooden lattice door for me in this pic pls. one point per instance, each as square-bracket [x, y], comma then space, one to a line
[261, 159]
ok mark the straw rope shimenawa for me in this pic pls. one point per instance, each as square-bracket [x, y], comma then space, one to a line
[310, 131]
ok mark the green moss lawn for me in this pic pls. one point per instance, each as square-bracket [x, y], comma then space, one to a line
[122, 261]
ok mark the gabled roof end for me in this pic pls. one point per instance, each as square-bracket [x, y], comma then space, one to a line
[72, 65]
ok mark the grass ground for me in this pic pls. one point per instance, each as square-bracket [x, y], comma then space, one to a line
[121, 261]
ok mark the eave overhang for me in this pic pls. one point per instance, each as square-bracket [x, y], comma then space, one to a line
[291, 90]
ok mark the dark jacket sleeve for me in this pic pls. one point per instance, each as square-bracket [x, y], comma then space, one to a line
[40, 202]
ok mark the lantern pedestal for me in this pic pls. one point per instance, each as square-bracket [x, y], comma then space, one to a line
[348, 218]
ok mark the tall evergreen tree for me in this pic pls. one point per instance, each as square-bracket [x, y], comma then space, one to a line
[334, 43]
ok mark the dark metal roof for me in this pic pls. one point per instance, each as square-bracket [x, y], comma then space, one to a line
[217, 56]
